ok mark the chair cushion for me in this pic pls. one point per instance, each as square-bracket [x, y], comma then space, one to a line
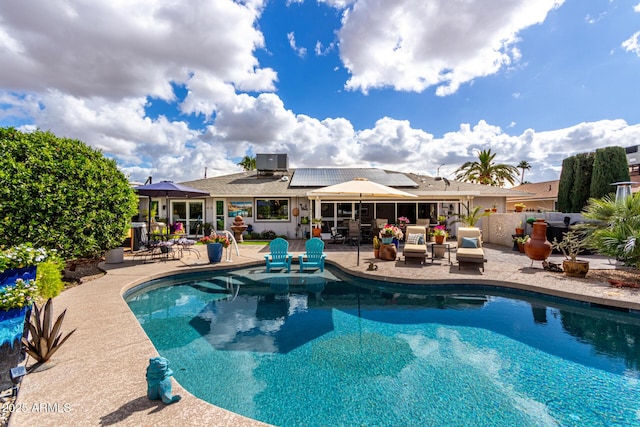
[469, 242]
[415, 249]
[413, 239]
[470, 253]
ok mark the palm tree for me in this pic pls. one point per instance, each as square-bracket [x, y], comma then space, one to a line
[248, 163]
[524, 165]
[484, 171]
[614, 229]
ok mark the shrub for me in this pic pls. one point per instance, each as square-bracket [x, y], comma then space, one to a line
[268, 235]
[59, 193]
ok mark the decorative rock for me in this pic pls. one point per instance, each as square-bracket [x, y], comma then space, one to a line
[159, 381]
[388, 252]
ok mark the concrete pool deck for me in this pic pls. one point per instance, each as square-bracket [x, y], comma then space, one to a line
[98, 377]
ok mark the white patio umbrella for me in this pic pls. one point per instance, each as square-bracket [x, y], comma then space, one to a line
[360, 187]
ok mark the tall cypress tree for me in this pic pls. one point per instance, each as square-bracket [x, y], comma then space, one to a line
[609, 166]
[581, 189]
[565, 184]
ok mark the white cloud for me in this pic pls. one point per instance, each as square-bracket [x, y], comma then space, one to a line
[636, 8]
[632, 44]
[410, 45]
[65, 69]
[129, 49]
[300, 51]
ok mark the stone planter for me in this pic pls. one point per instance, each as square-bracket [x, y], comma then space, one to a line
[11, 330]
[114, 256]
[214, 252]
[575, 268]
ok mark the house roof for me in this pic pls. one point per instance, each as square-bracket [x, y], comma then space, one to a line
[253, 184]
[547, 190]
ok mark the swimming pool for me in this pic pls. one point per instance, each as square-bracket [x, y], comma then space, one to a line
[329, 349]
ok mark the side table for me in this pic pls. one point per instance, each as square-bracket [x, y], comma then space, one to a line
[434, 245]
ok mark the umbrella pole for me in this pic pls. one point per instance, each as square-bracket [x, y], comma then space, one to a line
[149, 221]
[359, 226]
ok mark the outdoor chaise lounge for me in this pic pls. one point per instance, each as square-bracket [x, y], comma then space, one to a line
[470, 246]
[415, 245]
[314, 256]
[279, 257]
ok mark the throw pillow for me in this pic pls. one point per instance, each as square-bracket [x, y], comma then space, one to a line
[413, 239]
[421, 240]
[469, 242]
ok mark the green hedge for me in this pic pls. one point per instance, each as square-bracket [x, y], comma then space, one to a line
[59, 193]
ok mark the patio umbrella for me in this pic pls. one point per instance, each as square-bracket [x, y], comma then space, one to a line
[167, 189]
[360, 187]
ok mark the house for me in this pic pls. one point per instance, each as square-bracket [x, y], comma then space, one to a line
[278, 199]
[538, 197]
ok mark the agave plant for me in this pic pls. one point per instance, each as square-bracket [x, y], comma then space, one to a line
[45, 337]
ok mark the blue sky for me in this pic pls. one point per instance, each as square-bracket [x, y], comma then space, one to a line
[169, 89]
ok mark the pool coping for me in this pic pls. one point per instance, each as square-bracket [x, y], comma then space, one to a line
[98, 377]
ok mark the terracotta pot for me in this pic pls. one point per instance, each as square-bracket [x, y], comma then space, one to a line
[519, 231]
[518, 208]
[439, 240]
[317, 232]
[538, 248]
[376, 253]
[575, 268]
[521, 247]
[494, 209]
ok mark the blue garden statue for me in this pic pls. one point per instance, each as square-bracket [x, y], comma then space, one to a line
[159, 381]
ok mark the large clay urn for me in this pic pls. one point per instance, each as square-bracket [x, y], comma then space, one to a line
[538, 248]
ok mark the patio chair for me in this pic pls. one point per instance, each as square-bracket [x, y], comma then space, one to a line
[279, 256]
[314, 255]
[336, 236]
[470, 246]
[415, 245]
[354, 232]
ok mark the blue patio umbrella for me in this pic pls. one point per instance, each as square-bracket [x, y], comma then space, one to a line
[168, 189]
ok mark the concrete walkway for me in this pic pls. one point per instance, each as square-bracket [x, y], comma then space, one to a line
[98, 377]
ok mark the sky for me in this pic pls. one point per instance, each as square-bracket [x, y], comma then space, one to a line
[176, 90]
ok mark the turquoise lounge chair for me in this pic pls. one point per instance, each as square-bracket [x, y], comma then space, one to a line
[279, 256]
[314, 255]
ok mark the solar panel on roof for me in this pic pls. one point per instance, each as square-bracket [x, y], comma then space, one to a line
[312, 177]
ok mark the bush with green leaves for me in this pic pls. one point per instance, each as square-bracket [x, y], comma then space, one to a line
[59, 193]
[614, 229]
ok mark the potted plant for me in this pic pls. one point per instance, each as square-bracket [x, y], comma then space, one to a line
[390, 232]
[207, 227]
[317, 224]
[520, 241]
[519, 207]
[215, 244]
[376, 247]
[403, 221]
[494, 207]
[519, 229]
[471, 217]
[440, 233]
[571, 245]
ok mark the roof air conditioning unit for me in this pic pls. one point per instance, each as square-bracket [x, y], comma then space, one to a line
[269, 163]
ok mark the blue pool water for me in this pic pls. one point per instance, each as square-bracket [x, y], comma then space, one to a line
[328, 349]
